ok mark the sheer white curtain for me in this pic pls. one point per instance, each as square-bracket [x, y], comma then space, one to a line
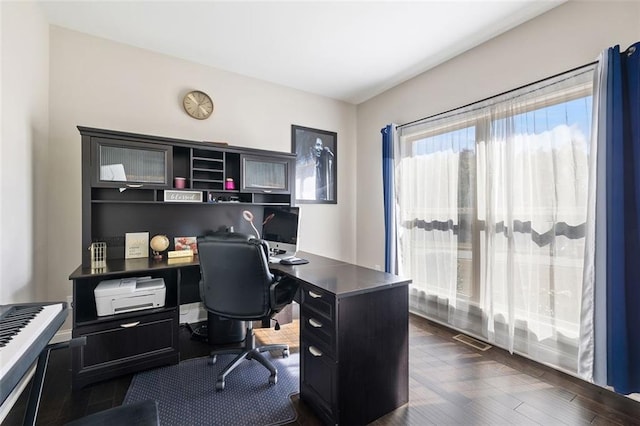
[428, 179]
[492, 202]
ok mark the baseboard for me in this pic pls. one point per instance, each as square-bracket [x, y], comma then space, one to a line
[61, 336]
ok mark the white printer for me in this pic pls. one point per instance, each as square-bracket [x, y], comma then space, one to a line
[129, 294]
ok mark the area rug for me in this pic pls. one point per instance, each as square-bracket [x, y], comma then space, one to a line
[186, 392]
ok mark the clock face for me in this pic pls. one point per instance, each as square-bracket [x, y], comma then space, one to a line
[198, 104]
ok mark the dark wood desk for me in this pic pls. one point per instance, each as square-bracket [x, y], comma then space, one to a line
[354, 332]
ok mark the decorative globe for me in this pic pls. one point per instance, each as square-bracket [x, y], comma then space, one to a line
[158, 244]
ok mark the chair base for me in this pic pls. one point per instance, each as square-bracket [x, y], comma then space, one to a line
[249, 351]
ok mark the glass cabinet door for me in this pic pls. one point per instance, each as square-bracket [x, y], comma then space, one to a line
[265, 174]
[132, 164]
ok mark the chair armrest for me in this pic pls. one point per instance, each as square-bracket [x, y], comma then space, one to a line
[282, 292]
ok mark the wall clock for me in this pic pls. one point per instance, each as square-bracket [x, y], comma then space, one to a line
[197, 104]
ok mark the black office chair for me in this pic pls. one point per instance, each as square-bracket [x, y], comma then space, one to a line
[237, 284]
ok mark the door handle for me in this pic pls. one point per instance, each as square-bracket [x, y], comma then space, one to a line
[132, 185]
[130, 325]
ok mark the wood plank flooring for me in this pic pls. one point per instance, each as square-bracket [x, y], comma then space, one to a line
[450, 383]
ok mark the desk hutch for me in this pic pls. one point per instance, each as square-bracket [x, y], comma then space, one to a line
[354, 320]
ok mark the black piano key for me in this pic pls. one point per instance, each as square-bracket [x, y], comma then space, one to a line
[23, 313]
[20, 312]
[23, 310]
[21, 317]
[11, 332]
[14, 320]
[13, 324]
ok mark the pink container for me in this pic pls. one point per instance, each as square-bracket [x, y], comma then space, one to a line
[229, 184]
[179, 182]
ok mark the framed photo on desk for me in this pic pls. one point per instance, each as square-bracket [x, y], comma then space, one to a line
[316, 165]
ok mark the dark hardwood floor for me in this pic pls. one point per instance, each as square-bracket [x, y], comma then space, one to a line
[449, 383]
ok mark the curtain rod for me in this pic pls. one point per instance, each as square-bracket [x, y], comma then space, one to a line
[495, 96]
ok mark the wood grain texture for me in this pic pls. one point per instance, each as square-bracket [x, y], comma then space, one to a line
[449, 383]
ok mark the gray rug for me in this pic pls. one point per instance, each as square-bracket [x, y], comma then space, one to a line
[186, 392]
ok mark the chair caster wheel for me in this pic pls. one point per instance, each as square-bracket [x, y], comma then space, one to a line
[212, 360]
[273, 379]
[219, 385]
[285, 353]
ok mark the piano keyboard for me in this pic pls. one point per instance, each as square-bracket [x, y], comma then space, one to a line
[25, 330]
[15, 320]
[23, 325]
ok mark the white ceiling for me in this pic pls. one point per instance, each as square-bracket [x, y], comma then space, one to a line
[346, 50]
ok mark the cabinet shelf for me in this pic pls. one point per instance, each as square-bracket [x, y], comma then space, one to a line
[209, 180]
[206, 170]
[213, 160]
[126, 202]
[208, 154]
[208, 165]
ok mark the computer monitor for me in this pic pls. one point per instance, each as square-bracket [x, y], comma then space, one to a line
[280, 230]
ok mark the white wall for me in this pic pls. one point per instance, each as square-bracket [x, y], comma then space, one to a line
[99, 83]
[566, 37]
[23, 151]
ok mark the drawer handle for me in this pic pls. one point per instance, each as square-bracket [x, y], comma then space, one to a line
[129, 325]
[314, 295]
[133, 185]
[315, 323]
[268, 191]
[315, 351]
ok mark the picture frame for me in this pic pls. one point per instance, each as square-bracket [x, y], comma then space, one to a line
[316, 165]
[186, 243]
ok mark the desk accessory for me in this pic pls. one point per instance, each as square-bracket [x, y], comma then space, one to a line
[293, 261]
[158, 244]
[179, 196]
[136, 245]
[248, 216]
[177, 260]
[186, 243]
[179, 182]
[179, 253]
[98, 255]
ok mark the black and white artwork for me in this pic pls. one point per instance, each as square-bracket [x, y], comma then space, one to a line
[316, 165]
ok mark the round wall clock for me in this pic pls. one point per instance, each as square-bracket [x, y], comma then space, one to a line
[198, 104]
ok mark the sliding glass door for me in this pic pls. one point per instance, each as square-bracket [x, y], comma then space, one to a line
[492, 203]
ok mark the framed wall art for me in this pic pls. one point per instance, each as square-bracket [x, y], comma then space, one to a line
[316, 165]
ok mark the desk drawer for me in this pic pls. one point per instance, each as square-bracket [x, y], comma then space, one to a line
[318, 328]
[318, 386]
[124, 342]
[320, 301]
[119, 347]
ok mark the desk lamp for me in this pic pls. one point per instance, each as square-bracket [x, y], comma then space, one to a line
[248, 216]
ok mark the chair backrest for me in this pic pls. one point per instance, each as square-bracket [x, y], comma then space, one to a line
[235, 276]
